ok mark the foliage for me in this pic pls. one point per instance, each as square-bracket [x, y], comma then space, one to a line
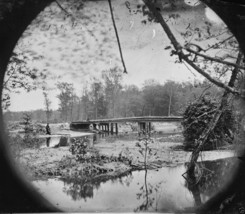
[47, 104]
[170, 98]
[143, 145]
[66, 97]
[79, 148]
[113, 85]
[17, 144]
[198, 116]
[84, 154]
[27, 123]
[20, 76]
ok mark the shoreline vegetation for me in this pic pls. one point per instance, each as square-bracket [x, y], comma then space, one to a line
[103, 160]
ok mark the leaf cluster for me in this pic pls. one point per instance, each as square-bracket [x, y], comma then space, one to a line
[79, 147]
[27, 123]
[197, 118]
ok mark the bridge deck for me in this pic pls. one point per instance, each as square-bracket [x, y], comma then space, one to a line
[134, 119]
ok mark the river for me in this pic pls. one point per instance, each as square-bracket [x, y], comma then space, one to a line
[161, 190]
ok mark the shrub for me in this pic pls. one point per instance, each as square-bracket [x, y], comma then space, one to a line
[79, 147]
[197, 117]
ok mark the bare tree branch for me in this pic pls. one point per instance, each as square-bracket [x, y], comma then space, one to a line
[214, 59]
[202, 140]
[236, 70]
[210, 78]
[219, 43]
[62, 8]
[179, 49]
[163, 23]
[117, 36]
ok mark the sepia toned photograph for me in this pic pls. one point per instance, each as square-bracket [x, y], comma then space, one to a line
[122, 106]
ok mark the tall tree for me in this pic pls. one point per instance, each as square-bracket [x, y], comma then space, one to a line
[149, 94]
[66, 97]
[85, 104]
[172, 90]
[113, 85]
[97, 99]
[47, 105]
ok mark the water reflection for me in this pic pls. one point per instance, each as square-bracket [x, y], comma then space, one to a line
[54, 142]
[48, 141]
[59, 141]
[149, 194]
[210, 177]
[165, 190]
[79, 188]
[63, 141]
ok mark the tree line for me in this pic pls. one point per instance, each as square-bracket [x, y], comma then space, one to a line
[108, 97]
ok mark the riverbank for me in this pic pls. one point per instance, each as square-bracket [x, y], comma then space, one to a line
[107, 159]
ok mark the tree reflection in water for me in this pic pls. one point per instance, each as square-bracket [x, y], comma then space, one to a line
[48, 141]
[79, 188]
[150, 194]
[210, 177]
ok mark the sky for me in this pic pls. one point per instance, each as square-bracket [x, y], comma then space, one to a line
[79, 48]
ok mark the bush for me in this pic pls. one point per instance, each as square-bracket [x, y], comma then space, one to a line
[79, 147]
[197, 117]
[18, 143]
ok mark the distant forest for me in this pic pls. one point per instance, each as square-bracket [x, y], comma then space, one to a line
[107, 97]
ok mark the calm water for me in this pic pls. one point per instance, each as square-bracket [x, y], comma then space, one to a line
[57, 141]
[164, 190]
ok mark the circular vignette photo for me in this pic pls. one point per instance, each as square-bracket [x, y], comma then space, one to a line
[124, 106]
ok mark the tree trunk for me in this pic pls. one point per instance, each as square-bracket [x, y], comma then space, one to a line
[204, 136]
[222, 107]
[170, 102]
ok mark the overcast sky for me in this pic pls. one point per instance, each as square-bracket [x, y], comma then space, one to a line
[76, 51]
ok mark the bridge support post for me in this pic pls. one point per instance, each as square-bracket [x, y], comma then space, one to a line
[116, 128]
[112, 128]
[108, 127]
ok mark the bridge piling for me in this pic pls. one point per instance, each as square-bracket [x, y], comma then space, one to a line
[107, 125]
[112, 128]
[116, 128]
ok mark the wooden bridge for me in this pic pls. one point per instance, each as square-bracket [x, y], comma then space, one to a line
[111, 125]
